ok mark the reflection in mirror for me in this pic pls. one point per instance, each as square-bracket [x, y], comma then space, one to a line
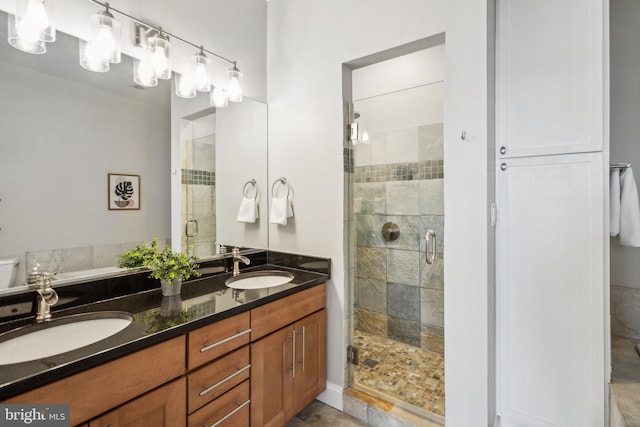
[64, 129]
[220, 151]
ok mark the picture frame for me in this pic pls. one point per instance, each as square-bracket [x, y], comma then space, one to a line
[123, 192]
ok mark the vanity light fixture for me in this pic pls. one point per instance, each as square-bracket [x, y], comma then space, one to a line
[144, 72]
[219, 98]
[104, 46]
[160, 49]
[200, 74]
[235, 84]
[32, 26]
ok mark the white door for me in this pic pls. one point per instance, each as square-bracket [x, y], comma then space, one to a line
[550, 304]
[549, 77]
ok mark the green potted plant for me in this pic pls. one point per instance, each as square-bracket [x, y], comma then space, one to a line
[139, 256]
[168, 266]
[172, 268]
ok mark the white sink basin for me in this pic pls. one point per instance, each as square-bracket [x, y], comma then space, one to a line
[259, 279]
[60, 335]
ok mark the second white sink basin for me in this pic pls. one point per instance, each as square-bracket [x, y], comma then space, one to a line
[60, 335]
[259, 279]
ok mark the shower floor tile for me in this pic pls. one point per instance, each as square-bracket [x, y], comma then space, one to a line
[400, 371]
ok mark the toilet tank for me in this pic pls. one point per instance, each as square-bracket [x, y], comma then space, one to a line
[8, 269]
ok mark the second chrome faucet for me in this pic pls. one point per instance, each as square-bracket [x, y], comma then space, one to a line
[237, 258]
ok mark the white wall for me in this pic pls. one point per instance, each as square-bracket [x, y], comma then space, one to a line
[233, 29]
[58, 144]
[625, 126]
[307, 43]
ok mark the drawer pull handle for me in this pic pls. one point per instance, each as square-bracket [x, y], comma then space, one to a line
[230, 414]
[216, 385]
[214, 345]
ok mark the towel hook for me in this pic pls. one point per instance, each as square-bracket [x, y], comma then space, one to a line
[253, 183]
[283, 181]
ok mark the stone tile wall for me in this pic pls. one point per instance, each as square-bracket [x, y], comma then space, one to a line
[397, 294]
[625, 312]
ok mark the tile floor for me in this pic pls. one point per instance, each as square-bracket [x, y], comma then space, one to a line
[401, 371]
[320, 415]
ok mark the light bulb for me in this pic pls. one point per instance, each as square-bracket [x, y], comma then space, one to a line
[219, 97]
[104, 44]
[185, 87]
[201, 78]
[160, 60]
[365, 136]
[144, 74]
[34, 22]
[234, 89]
[94, 58]
[234, 84]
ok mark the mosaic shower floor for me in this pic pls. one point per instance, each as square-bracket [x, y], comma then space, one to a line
[400, 371]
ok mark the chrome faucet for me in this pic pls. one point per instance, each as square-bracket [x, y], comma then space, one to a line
[236, 261]
[46, 297]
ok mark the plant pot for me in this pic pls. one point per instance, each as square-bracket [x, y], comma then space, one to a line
[171, 288]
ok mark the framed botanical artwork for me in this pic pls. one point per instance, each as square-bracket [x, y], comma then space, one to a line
[124, 191]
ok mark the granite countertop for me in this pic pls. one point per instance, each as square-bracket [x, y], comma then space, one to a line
[625, 382]
[156, 319]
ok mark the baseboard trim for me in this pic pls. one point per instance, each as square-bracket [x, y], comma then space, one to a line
[332, 396]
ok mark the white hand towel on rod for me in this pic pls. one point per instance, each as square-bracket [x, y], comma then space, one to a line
[281, 207]
[629, 210]
[248, 211]
[614, 202]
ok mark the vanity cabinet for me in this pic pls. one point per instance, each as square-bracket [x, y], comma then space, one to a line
[248, 366]
[288, 366]
[163, 407]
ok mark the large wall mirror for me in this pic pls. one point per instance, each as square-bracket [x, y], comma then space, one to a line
[65, 129]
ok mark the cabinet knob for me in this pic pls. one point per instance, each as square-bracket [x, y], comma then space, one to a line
[503, 167]
[503, 150]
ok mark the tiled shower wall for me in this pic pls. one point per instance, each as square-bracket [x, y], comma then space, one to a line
[198, 192]
[397, 294]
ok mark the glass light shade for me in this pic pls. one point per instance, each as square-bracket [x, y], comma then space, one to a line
[32, 26]
[234, 84]
[37, 47]
[143, 72]
[160, 49]
[90, 58]
[218, 97]
[199, 71]
[185, 87]
[104, 42]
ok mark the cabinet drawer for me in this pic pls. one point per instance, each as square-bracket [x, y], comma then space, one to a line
[224, 410]
[211, 342]
[278, 314]
[212, 380]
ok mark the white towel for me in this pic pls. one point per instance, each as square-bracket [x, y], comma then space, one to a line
[629, 210]
[281, 209]
[248, 211]
[614, 202]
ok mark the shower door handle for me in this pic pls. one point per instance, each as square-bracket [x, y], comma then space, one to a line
[430, 239]
[186, 228]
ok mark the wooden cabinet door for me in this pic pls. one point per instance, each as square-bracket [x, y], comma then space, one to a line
[272, 379]
[311, 359]
[550, 291]
[163, 407]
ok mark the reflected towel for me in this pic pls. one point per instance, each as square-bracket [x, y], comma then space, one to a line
[248, 211]
[629, 210]
[281, 209]
[614, 202]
